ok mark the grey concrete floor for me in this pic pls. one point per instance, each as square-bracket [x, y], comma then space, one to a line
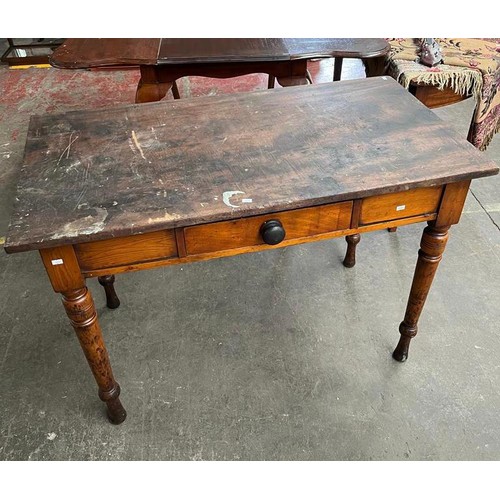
[281, 355]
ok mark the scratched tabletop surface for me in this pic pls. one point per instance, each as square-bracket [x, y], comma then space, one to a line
[94, 175]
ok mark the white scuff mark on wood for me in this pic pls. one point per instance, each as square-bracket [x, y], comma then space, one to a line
[227, 195]
[67, 149]
[247, 200]
[57, 262]
[138, 145]
[166, 217]
[87, 225]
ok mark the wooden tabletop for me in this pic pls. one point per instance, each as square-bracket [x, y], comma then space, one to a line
[93, 175]
[96, 52]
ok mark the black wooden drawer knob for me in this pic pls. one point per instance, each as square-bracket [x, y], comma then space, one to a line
[272, 232]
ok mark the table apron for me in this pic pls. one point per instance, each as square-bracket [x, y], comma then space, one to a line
[165, 73]
[225, 238]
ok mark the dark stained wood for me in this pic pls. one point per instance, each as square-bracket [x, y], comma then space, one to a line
[337, 69]
[108, 283]
[282, 58]
[83, 316]
[359, 48]
[432, 246]
[83, 53]
[94, 52]
[157, 80]
[207, 50]
[350, 256]
[95, 175]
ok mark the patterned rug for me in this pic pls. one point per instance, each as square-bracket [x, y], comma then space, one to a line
[471, 67]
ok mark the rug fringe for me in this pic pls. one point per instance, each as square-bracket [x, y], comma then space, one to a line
[463, 82]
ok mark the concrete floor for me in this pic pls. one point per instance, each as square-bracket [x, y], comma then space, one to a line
[282, 355]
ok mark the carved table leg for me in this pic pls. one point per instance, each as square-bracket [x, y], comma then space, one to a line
[431, 250]
[82, 314]
[350, 256]
[112, 300]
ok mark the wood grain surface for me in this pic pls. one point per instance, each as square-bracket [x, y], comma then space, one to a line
[362, 48]
[245, 232]
[206, 50]
[95, 52]
[94, 175]
[83, 53]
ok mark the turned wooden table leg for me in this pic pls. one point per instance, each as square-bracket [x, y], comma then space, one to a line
[350, 256]
[431, 250]
[112, 300]
[83, 316]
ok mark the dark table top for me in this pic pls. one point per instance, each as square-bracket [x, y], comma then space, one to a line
[95, 52]
[93, 175]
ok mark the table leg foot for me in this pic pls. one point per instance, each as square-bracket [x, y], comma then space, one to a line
[116, 412]
[350, 256]
[392, 229]
[112, 300]
[83, 317]
[271, 82]
[407, 333]
[430, 254]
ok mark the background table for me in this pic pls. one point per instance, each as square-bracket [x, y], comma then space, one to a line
[164, 60]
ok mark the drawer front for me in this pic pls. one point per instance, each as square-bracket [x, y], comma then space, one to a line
[394, 206]
[241, 233]
[126, 250]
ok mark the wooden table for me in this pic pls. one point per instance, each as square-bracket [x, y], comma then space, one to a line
[117, 190]
[164, 60]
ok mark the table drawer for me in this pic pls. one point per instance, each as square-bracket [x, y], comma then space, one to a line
[126, 250]
[300, 223]
[393, 206]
